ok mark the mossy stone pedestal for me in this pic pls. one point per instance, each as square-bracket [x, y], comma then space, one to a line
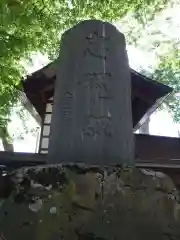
[82, 202]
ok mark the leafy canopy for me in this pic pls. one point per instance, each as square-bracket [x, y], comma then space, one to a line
[158, 39]
[36, 25]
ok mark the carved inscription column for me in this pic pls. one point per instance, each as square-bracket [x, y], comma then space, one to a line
[91, 119]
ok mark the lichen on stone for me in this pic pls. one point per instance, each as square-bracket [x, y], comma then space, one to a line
[91, 202]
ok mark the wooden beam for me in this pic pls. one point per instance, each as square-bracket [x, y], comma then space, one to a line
[16, 159]
[154, 152]
[157, 151]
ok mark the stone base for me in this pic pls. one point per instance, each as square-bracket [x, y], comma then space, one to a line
[86, 203]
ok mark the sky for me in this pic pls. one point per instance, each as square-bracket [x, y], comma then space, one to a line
[161, 122]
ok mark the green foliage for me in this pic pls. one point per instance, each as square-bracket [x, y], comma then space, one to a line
[159, 42]
[168, 72]
[36, 25]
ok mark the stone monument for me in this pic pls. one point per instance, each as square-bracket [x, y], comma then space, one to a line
[86, 203]
[91, 119]
[91, 123]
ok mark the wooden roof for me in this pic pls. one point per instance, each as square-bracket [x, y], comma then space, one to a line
[147, 94]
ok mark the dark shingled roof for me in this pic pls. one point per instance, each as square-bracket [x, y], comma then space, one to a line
[147, 94]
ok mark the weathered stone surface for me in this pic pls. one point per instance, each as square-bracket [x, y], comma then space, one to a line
[70, 202]
[91, 119]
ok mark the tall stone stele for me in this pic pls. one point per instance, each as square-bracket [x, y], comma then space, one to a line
[91, 123]
[92, 120]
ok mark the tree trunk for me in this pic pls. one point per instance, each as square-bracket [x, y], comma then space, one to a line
[6, 140]
[8, 146]
[4, 135]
